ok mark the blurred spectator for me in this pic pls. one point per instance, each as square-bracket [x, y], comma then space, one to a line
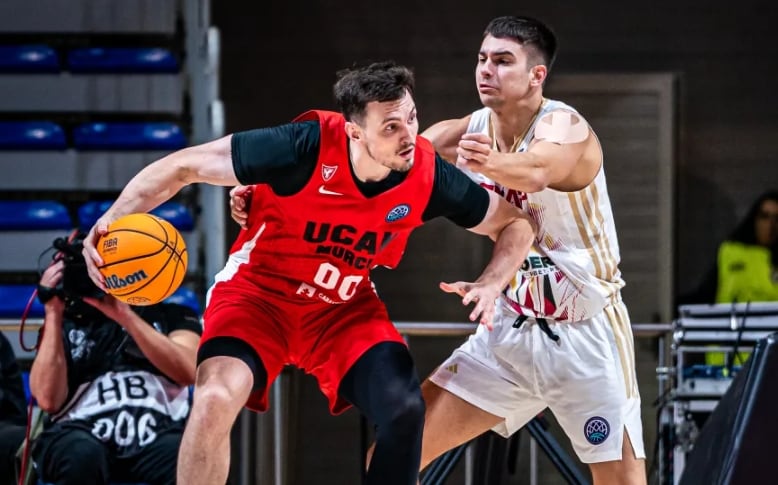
[746, 268]
[114, 380]
[13, 412]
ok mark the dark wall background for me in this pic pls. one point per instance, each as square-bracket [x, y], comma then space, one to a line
[280, 58]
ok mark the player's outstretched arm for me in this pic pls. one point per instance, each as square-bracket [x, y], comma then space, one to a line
[445, 136]
[159, 181]
[513, 232]
[561, 137]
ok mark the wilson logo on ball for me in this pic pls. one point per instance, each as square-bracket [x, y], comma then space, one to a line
[114, 282]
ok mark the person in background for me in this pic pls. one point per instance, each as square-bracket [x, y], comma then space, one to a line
[13, 411]
[747, 262]
[746, 268]
[114, 380]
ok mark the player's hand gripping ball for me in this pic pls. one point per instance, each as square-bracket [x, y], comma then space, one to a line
[144, 259]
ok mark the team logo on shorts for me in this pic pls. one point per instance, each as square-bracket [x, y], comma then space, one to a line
[398, 213]
[596, 430]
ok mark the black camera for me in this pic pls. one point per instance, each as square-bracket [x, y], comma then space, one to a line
[75, 278]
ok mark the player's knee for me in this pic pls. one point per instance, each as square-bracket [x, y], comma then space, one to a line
[407, 414]
[215, 402]
[626, 471]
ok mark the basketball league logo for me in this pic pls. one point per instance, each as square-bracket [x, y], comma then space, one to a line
[398, 213]
[327, 171]
[596, 430]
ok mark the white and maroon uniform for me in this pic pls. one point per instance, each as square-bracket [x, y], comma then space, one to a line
[569, 287]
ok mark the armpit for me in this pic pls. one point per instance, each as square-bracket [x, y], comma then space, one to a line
[562, 127]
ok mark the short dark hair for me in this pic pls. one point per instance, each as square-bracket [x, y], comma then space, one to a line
[379, 81]
[528, 32]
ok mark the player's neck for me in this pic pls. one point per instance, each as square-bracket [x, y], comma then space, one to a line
[510, 124]
[363, 166]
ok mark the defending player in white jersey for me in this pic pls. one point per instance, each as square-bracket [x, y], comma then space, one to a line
[562, 337]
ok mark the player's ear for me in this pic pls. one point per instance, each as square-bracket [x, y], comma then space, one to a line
[538, 75]
[353, 131]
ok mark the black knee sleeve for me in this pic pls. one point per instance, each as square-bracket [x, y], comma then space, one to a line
[235, 347]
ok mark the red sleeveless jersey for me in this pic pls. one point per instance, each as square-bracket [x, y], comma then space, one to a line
[321, 242]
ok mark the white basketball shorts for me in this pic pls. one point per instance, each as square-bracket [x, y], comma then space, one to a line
[587, 378]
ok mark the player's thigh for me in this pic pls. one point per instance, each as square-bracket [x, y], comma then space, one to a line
[494, 372]
[347, 333]
[243, 345]
[384, 385]
[630, 470]
[450, 421]
[588, 382]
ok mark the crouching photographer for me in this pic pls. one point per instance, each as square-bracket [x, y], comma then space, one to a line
[113, 378]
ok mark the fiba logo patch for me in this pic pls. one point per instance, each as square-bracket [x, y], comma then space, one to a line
[110, 245]
[596, 430]
[398, 213]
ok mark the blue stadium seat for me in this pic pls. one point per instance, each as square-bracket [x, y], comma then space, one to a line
[186, 297]
[31, 135]
[122, 60]
[26, 384]
[176, 214]
[28, 58]
[27, 228]
[129, 136]
[13, 300]
[173, 212]
[33, 215]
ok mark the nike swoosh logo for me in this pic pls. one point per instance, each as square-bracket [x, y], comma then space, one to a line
[322, 190]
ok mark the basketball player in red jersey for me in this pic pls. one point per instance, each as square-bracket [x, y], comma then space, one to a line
[336, 195]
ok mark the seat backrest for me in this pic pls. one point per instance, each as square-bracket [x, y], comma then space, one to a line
[173, 212]
[122, 60]
[14, 299]
[31, 135]
[28, 58]
[23, 215]
[186, 297]
[128, 136]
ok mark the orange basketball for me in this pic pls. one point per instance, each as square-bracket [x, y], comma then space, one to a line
[144, 259]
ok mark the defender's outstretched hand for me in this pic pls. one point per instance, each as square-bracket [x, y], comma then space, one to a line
[473, 151]
[239, 204]
[483, 295]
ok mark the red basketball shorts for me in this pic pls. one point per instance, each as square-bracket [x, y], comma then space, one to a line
[323, 340]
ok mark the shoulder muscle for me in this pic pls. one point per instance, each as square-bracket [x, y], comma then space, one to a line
[562, 127]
